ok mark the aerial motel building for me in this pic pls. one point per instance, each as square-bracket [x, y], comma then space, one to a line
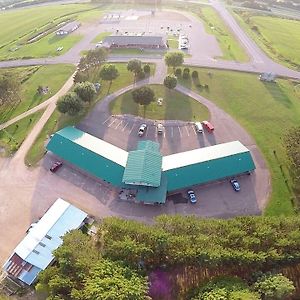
[145, 170]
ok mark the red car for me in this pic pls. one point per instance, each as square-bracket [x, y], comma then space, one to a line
[208, 126]
[56, 166]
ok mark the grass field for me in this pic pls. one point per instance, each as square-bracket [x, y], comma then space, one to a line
[231, 48]
[17, 26]
[101, 36]
[266, 111]
[176, 106]
[53, 76]
[173, 42]
[58, 121]
[12, 137]
[278, 37]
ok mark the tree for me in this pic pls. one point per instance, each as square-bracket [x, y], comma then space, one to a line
[110, 280]
[174, 59]
[109, 72]
[178, 72]
[272, 287]
[69, 103]
[134, 66]
[143, 96]
[92, 59]
[10, 88]
[85, 91]
[170, 82]
[81, 76]
[147, 69]
[195, 74]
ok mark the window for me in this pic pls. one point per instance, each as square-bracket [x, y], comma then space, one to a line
[42, 244]
[36, 252]
[48, 237]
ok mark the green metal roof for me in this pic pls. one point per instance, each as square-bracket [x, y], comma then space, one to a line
[144, 165]
[92, 155]
[152, 195]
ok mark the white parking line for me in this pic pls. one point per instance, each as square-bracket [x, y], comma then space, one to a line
[114, 120]
[119, 124]
[132, 127]
[123, 129]
[194, 130]
[172, 132]
[179, 131]
[106, 120]
[187, 131]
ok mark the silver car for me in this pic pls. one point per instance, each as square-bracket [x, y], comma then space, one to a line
[142, 129]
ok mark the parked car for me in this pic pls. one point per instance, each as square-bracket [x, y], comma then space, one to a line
[192, 196]
[208, 126]
[142, 129]
[235, 185]
[59, 49]
[198, 127]
[56, 166]
[160, 128]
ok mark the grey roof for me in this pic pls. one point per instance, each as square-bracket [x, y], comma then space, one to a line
[124, 40]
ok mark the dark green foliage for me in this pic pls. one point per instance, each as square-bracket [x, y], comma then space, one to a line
[186, 73]
[272, 287]
[186, 70]
[94, 58]
[175, 240]
[178, 72]
[195, 74]
[10, 88]
[143, 96]
[81, 76]
[141, 75]
[147, 69]
[174, 59]
[170, 82]
[226, 288]
[69, 103]
[109, 72]
[85, 91]
[135, 66]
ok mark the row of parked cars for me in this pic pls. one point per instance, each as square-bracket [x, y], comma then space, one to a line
[199, 127]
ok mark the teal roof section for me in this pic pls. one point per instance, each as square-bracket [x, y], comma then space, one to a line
[92, 155]
[144, 165]
[151, 195]
[203, 169]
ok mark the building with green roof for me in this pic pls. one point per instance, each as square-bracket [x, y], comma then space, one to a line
[145, 170]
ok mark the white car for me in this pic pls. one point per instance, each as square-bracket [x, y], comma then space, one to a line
[142, 129]
[160, 128]
[59, 49]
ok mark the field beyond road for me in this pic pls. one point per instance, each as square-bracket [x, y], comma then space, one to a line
[278, 37]
[266, 111]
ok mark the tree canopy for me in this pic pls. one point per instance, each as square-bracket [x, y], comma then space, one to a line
[70, 103]
[92, 59]
[174, 59]
[10, 88]
[85, 91]
[135, 66]
[170, 82]
[143, 95]
[109, 72]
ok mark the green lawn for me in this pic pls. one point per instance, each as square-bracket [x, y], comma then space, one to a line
[230, 46]
[53, 76]
[17, 26]
[278, 37]
[176, 106]
[58, 121]
[101, 36]
[173, 42]
[267, 111]
[12, 137]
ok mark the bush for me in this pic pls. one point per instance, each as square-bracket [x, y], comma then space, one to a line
[195, 74]
[186, 70]
[147, 69]
[141, 75]
[186, 75]
[178, 72]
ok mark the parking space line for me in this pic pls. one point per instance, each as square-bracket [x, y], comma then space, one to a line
[106, 120]
[172, 132]
[132, 127]
[119, 124]
[179, 131]
[123, 129]
[114, 120]
[194, 130]
[187, 131]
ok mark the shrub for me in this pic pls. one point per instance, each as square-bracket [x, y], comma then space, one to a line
[186, 70]
[195, 74]
[141, 75]
[147, 69]
[178, 72]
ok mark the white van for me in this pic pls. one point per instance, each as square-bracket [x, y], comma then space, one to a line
[198, 127]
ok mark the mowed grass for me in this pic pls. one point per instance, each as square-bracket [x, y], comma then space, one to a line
[18, 25]
[12, 137]
[278, 37]
[176, 106]
[230, 46]
[101, 36]
[51, 76]
[266, 111]
[173, 42]
[58, 120]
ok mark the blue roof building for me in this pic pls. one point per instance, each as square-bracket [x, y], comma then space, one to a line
[34, 253]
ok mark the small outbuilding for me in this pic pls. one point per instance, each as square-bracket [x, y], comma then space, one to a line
[34, 253]
[68, 28]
